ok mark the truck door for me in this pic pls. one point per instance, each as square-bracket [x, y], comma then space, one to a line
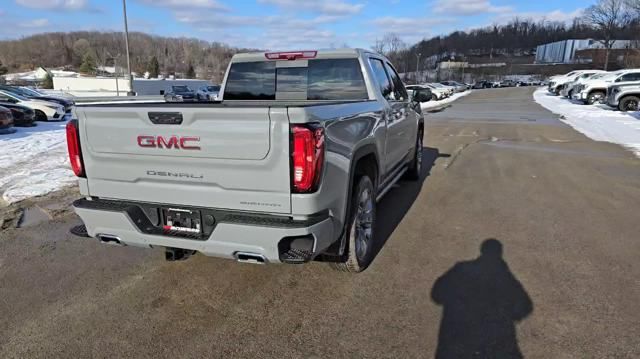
[386, 91]
[401, 136]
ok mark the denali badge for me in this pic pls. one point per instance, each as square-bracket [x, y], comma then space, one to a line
[174, 174]
[176, 142]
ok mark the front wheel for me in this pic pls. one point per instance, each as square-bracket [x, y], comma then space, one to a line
[595, 97]
[629, 103]
[359, 229]
[41, 116]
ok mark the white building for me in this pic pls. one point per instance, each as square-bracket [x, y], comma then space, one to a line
[564, 52]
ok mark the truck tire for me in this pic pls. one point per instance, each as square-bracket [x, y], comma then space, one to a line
[595, 97]
[629, 103]
[415, 169]
[360, 226]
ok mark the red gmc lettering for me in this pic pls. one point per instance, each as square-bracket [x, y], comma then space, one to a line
[185, 143]
[172, 143]
[185, 146]
[146, 141]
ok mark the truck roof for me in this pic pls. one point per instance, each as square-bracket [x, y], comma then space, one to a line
[320, 54]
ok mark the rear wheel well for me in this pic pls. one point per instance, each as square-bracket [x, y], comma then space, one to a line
[366, 165]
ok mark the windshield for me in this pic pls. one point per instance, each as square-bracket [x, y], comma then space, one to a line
[29, 91]
[213, 88]
[14, 95]
[181, 89]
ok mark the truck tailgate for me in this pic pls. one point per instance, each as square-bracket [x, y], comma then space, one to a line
[216, 157]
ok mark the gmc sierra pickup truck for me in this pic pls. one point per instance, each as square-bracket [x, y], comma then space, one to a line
[286, 167]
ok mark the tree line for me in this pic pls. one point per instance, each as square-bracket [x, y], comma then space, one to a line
[85, 51]
[605, 21]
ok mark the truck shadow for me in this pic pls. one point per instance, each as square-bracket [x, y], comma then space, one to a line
[395, 204]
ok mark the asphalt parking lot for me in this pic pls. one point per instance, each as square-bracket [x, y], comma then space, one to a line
[523, 240]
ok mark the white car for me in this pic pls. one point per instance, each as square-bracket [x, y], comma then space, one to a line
[595, 91]
[208, 93]
[439, 92]
[45, 111]
[569, 87]
[450, 89]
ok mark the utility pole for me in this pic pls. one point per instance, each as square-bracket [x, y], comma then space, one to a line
[417, 65]
[126, 42]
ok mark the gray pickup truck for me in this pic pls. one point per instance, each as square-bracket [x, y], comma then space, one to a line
[286, 168]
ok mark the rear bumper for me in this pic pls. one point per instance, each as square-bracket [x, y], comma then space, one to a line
[233, 232]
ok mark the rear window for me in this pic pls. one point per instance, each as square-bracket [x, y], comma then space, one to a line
[323, 79]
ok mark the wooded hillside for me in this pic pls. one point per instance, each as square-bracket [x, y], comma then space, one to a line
[174, 55]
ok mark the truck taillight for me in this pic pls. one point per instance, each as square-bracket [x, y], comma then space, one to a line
[307, 157]
[73, 145]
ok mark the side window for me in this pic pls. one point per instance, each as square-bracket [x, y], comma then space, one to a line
[634, 76]
[399, 92]
[381, 78]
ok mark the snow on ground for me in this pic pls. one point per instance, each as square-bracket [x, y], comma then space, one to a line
[598, 122]
[34, 161]
[432, 104]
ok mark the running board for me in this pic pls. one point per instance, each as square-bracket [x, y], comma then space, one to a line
[391, 183]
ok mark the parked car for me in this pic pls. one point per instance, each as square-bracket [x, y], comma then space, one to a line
[44, 110]
[23, 116]
[6, 121]
[208, 93]
[569, 88]
[557, 83]
[36, 95]
[285, 169]
[456, 85]
[624, 97]
[595, 91]
[447, 89]
[482, 84]
[179, 93]
[420, 93]
[436, 92]
[507, 83]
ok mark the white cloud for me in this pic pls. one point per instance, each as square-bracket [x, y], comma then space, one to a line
[331, 7]
[409, 29]
[467, 7]
[34, 24]
[187, 4]
[551, 16]
[55, 4]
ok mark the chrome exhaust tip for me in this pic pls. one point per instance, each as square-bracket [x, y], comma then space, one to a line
[109, 239]
[252, 258]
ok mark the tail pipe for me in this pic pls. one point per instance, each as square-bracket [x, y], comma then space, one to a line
[246, 257]
[109, 239]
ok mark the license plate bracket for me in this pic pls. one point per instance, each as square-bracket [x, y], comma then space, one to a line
[182, 220]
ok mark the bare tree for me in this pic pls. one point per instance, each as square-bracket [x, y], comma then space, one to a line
[634, 5]
[608, 17]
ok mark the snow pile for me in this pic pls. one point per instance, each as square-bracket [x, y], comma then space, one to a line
[433, 104]
[597, 122]
[34, 161]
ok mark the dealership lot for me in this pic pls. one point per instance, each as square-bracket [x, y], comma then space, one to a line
[563, 207]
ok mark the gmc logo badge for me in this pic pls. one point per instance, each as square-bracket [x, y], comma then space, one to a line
[184, 143]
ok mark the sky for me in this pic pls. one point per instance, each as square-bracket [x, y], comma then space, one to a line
[278, 24]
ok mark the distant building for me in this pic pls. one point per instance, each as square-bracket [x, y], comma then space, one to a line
[564, 52]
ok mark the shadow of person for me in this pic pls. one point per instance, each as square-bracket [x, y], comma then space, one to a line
[482, 301]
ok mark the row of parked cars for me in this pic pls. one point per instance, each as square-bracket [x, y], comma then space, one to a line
[22, 106]
[184, 93]
[618, 89]
[436, 91]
